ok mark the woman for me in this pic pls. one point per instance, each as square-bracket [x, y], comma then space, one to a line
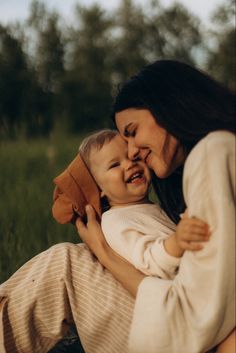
[171, 116]
[191, 313]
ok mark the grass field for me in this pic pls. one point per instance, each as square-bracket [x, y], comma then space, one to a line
[26, 224]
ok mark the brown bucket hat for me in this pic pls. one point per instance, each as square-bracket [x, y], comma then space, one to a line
[75, 188]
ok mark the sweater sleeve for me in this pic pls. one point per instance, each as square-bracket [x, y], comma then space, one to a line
[145, 251]
[194, 312]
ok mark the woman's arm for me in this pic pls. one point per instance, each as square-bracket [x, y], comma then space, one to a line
[121, 269]
[197, 307]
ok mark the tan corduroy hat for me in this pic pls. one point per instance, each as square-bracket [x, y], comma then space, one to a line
[75, 188]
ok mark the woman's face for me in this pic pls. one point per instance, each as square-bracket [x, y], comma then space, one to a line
[146, 139]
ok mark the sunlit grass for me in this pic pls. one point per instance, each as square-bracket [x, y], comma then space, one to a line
[26, 224]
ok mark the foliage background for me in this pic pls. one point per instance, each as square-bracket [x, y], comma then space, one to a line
[57, 81]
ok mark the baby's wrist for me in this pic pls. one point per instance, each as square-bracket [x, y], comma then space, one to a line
[179, 250]
[172, 246]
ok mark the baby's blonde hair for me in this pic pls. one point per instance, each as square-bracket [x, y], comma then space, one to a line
[95, 141]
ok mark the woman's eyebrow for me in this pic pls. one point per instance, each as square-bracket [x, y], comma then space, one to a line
[126, 132]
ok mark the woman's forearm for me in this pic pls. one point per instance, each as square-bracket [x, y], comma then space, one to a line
[121, 269]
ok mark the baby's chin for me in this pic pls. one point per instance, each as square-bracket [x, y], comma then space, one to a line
[140, 198]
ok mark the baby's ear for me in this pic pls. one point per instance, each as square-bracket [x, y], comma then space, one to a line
[102, 194]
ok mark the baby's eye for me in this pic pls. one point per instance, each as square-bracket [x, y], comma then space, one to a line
[114, 165]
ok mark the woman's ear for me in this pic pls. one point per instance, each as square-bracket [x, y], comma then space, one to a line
[102, 194]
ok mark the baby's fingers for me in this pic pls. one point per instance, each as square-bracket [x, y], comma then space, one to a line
[195, 237]
[194, 222]
[192, 246]
[196, 228]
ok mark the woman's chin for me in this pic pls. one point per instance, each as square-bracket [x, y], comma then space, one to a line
[161, 171]
[162, 175]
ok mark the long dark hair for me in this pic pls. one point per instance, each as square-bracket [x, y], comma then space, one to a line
[188, 104]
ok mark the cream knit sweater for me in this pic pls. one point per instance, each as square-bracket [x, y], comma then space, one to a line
[137, 233]
[196, 310]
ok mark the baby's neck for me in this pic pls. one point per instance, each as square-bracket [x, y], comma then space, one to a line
[140, 202]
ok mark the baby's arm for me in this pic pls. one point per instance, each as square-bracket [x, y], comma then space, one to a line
[190, 233]
[145, 251]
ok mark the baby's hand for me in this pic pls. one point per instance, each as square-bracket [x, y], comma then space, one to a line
[191, 232]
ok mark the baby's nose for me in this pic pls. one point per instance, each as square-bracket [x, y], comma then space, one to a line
[129, 163]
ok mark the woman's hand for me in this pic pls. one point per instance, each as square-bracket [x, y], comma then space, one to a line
[91, 233]
[123, 271]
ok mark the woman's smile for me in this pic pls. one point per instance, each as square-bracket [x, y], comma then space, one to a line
[146, 139]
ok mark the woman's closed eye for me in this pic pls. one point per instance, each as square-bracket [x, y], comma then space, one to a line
[130, 132]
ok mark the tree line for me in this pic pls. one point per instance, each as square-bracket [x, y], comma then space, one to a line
[54, 73]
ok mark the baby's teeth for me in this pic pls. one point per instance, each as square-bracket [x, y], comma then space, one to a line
[137, 175]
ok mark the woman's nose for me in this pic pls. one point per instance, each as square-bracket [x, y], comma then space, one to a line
[133, 150]
[143, 153]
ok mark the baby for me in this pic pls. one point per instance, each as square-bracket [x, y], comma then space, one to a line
[137, 229]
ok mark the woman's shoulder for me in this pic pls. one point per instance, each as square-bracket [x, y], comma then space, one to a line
[215, 143]
[218, 137]
[211, 166]
[213, 149]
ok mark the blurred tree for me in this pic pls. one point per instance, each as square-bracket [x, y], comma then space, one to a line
[14, 83]
[221, 63]
[143, 35]
[37, 114]
[49, 56]
[87, 84]
[48, 62]
[173, 33]
[129, 37]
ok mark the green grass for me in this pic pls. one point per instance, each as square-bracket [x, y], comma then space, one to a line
[26, 188]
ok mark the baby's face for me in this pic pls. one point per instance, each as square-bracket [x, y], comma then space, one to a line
[121, 180]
